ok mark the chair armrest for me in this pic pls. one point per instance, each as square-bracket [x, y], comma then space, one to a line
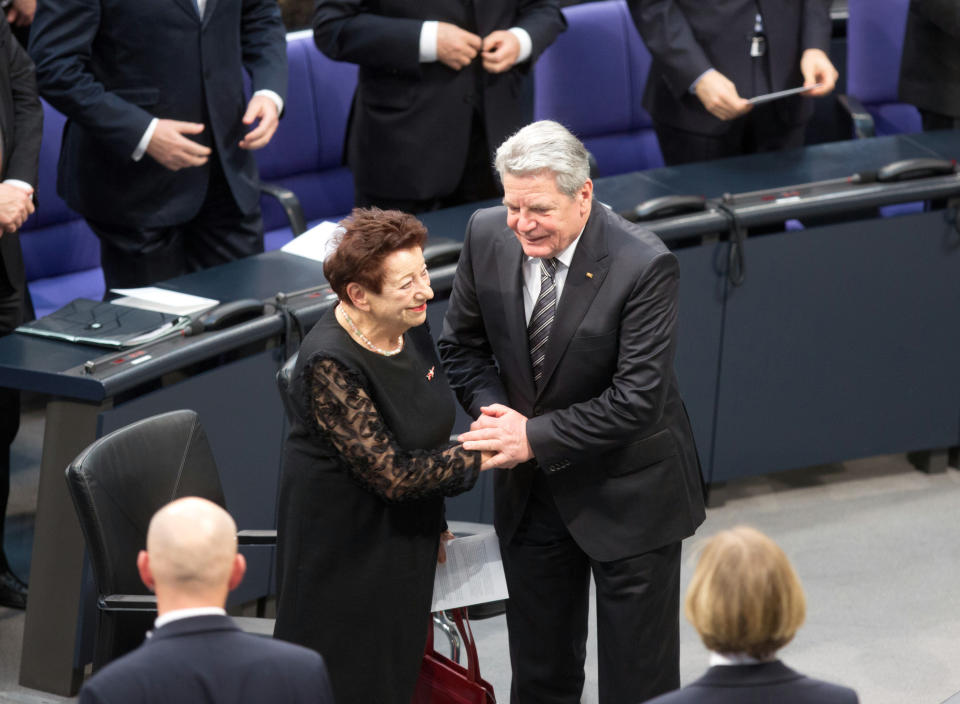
[863, 125]
[127, 602]
[290, 204]
[256, 537]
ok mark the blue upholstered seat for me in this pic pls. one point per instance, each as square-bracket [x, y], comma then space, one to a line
[591, 79]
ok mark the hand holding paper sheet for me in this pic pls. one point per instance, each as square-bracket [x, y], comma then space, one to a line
[472, 574]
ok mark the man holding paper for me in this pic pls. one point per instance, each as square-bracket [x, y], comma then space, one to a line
[709, 58]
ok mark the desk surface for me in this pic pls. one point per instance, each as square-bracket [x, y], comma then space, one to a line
[52, 367]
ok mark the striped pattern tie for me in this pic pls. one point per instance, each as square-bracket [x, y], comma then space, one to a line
[544, 311]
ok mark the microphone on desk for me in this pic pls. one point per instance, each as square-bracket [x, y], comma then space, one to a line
[226, 315]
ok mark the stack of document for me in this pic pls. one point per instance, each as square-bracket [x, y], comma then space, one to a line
[472, 574]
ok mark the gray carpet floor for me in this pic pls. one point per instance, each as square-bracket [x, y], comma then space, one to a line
[875, 542]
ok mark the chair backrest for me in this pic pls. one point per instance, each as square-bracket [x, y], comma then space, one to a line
[306, 153]
[603, 56]
[122, 479]
[875, 30]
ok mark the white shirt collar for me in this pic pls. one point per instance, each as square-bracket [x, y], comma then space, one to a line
[735, 659]
[179, 614]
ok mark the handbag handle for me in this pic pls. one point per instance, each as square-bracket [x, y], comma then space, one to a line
[463, 625]
[466, 635]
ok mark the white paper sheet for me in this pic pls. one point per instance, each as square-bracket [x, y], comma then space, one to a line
[162, 300]
[767, 97]
[315, 243]
[472, 574]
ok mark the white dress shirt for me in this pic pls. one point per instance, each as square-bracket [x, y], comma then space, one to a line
[179, 614]
[428, 42]
[531, 276]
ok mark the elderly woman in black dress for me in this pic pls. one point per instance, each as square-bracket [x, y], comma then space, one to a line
[366, 466]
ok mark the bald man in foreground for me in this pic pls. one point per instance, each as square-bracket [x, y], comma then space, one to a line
[195, 653]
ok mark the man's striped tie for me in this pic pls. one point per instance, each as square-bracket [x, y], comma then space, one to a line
[544, 311]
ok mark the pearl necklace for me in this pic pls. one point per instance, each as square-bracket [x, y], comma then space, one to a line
[365, 340]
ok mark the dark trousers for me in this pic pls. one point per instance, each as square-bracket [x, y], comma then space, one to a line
[11, 315]
[478, 181]
[638, 614]
[219, 233]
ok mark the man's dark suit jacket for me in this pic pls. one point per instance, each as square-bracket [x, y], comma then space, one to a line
[930, 65]
[21, 121]
[757, 684]
[410, 123]
[208, 660]
[686, 37]
[112, 65]
[607, 426]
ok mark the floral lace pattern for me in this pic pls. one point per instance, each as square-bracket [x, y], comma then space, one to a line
[346, 415]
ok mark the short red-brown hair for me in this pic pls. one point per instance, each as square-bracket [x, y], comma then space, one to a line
[369, 236]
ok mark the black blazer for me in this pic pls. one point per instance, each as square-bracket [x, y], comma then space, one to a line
[112, 65]
[608, 426]
[410, 123]
[208, 660]
[930, 64]
[21, 121]
[757, 684]
[686, 37]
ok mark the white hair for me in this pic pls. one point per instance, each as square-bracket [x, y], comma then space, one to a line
[545, 146]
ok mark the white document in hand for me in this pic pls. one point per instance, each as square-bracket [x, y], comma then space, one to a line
[472, 574]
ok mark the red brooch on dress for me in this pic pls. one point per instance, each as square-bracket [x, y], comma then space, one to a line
[430, 374]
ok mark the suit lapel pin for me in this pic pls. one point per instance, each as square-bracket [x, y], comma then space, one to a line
[430, 374]
[589, 275]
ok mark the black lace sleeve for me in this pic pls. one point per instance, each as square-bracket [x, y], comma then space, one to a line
[346, 415]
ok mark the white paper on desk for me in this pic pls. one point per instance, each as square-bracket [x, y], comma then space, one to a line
[472, 574]
[316, 243]
[162, 300]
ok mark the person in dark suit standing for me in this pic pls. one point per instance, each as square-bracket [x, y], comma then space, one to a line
[710, 57]
[156, 154]
[21, 128]
[930, 64]
[196, 654]
[559, 339]
[746, 602]
[440, 85]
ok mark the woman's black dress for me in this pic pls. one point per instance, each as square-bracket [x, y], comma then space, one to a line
[366, 466]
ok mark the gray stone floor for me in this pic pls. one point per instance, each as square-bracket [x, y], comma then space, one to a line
[875, 542]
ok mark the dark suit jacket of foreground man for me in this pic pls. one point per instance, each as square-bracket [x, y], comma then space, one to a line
[208, 660]
[607, 426]
[758, 684]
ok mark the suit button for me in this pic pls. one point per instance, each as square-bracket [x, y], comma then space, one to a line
[537, 410]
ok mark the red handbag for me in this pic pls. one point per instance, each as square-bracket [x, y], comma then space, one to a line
[443, 681]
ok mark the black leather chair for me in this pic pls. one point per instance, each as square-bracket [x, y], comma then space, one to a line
[117, 484]
[284, 375]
